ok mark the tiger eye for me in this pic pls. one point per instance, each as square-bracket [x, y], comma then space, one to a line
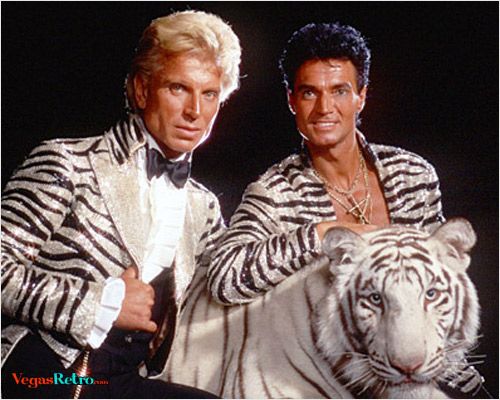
[375, 298]
[431, 294]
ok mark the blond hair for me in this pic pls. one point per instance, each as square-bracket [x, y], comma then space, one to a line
[182, 32]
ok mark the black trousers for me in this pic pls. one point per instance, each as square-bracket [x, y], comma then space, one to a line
[32, 358]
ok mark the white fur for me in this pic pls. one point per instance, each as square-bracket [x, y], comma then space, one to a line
[257, 365]
[268, 350]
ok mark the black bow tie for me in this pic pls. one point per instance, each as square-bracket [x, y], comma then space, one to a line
[157, 165]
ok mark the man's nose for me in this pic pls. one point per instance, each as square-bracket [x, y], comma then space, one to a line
[192, 107]
[324, 104]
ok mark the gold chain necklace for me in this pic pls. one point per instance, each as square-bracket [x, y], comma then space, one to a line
[354, 183]
[358, 209]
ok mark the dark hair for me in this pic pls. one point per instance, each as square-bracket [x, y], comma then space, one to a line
[322, 41]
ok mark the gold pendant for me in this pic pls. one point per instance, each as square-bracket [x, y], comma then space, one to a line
[357, 212]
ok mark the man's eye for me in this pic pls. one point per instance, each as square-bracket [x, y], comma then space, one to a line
[340, 92]
[211, 95]
[307, 94]
[176, 88]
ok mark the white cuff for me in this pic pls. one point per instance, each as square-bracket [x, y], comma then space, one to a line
[111, 304]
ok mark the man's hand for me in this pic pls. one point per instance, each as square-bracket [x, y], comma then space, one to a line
[135, 313]
[322, 227]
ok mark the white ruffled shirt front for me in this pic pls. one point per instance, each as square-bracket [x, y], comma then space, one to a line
[164, 205]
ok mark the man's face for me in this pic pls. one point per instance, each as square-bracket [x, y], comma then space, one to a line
[326, 101]
[179, 102]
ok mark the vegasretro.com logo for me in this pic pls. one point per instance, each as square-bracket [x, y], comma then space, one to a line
[58, 378]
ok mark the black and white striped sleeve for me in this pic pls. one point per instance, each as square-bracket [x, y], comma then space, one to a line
[35, 202]
[260, 249]
[433, 209]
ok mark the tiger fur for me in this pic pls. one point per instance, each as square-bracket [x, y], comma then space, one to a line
[389, 314]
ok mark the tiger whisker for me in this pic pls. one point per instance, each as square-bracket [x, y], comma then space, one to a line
[486, 391]
[384, 386]
[351, 353]
[367, 371]
[477, 390]
[476, 356]
[454, 346]
[351, 364]
[464, 365]
[460, 345]
[359, 378]
[457, 362]
[379, 387]
[450, 355]
[472, 348]
[357, 362]
[367, 385]
[338, 374]
[448, 375]
[478, 362]
[361, 390]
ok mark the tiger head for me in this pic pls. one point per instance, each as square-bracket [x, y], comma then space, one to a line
[402, 312]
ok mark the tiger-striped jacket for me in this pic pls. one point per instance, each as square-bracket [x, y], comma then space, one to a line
[70, 220]
[272, 233]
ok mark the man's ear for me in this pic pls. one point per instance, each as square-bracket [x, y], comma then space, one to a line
[455, 240]
[342, 246]
[291, 101]
[140, 91]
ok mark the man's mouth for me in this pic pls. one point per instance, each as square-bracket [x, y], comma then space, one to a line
[188, 128]
[325, 124]
[188, 131]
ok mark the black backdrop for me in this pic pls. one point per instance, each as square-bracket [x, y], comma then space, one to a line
[434, 91]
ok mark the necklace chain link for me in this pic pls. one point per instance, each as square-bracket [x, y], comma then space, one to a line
[358, 209]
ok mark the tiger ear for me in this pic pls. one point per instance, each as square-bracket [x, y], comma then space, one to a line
[457, 238]
[341, 245]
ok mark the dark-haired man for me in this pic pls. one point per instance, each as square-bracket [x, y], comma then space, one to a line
[339, 179]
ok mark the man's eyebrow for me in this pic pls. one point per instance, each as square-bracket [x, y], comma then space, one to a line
[169, 81]
[305, 86]
[342, 85]
[213, 89]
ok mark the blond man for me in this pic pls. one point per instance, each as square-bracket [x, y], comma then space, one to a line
[102, 235]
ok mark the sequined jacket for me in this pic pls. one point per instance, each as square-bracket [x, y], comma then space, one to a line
[70, 220]
[272, 233]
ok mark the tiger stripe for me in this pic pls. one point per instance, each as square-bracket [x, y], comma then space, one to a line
[319, 333]
[275, 223]
[59, 239]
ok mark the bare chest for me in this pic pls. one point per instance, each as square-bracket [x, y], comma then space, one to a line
[364, 205]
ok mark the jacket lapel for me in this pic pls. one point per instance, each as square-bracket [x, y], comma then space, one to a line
[194, 222]
[117, 177]
[186, 246]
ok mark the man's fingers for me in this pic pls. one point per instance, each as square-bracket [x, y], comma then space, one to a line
[151, 292]
[136, 321]
[137, 305]
[150, 326]
[130, 272]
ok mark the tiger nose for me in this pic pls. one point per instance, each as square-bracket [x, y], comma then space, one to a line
[408, 366]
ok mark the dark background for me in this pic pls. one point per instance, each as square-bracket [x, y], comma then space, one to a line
[434, 91]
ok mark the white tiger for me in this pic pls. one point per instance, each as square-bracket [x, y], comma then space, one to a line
[389, 314]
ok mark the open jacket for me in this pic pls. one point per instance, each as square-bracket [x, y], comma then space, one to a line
[70, 220]
[272, 233]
